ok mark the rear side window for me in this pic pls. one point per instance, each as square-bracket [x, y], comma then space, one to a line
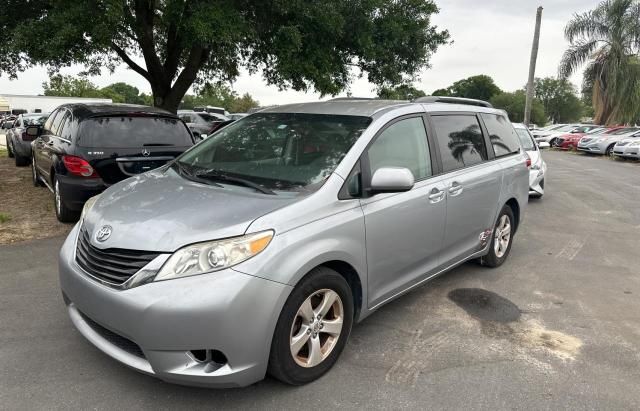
[502, 134]
[123, 131]
[402, 144]
[460, 141]
[57, 122]
[525, 139]
[49, 122]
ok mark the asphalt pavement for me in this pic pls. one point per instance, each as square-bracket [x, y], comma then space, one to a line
[556, 327]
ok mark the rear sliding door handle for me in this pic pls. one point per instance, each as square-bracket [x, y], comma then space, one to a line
[455, 189]
[436, 196]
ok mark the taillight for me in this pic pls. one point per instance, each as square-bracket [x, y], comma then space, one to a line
[528, 162]
[79, 166]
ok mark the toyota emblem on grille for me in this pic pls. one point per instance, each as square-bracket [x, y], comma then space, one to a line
[145, 152]
[103, 233]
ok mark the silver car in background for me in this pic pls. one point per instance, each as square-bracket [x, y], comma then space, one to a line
[604, 143]
[538, 170]
[256, 250]
[628, 148]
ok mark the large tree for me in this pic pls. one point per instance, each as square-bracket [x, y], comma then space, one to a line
[559, 98]
[481, 87]
[513, 104]
[402, 92]
[297, 44]
[607, 40]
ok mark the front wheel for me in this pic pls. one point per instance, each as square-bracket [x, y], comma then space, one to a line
[312, 329]
[609, 151]
[501, 239]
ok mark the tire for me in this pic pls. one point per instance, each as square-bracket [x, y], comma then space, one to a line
[313, 289]
[609, 151]
[34, 174]
[495, 257]
[552, 143]
[9, 150]
[21, 161]
[63, 213]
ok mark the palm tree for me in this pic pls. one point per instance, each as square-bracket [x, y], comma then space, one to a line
[607, 40]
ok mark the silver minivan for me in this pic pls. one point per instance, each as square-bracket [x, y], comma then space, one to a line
[256, 250]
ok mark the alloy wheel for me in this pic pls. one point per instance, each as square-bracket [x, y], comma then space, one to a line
[316, 328]
[502, 236]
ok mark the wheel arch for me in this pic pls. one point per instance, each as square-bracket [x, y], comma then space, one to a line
[515, 208]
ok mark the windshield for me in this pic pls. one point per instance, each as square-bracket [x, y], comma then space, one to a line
[123, 131]
[281, 151]
[34, 120]
[525, 139]
[621, 131]
[597, 130]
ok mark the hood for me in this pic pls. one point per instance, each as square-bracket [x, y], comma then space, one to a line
[162, 211]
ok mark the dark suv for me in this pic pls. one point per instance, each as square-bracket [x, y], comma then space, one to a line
[84, 148]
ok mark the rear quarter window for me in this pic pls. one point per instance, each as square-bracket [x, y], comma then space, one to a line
[124, 131]
[503, 136]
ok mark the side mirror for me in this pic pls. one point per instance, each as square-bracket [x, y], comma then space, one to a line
[392, 180]
[543, 144]
[32, 131]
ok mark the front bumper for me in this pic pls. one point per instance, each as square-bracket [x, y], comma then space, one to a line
[152, 328]
[536, 181]
[596, 148]
[632, 152]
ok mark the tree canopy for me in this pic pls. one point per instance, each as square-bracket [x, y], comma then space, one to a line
[70, 86]
[219, 95]
[304, 45]
[607, 40]
[481, 87]
[402, 92]
[559, 98]
[513, 104]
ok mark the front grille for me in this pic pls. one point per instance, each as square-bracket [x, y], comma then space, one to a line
[112, 265]
[559, 141]
[115, 339]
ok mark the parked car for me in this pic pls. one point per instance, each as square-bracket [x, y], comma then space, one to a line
[603, 144]
[552, 138]
[237, 116]
[538, 169]
[7, 124]
[18, 141]
[628, 148]
[201, 123]
[570, 141]
[257, 249]
[541, 132]
[85, 148]
[211, 109]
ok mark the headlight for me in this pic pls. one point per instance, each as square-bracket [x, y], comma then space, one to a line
[213, 255]
[88, 206]
[635, 143]
[600, 140]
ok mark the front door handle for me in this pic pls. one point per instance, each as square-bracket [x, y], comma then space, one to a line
[436, 196]
[455, 189]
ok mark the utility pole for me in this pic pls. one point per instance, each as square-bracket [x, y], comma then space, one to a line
[532, 68]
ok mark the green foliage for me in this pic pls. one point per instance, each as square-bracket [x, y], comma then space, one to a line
[480, 87]
[219, 95]
[70, 86]
[402, 92]
[304, 45]
[513, 104]
[607, 40]
[559, 98]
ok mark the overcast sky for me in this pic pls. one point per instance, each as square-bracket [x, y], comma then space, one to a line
[489, 37]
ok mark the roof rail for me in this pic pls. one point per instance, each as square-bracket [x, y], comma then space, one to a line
[453, 100]
[353, 98]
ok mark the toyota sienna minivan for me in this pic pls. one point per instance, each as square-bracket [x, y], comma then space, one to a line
[256, 250]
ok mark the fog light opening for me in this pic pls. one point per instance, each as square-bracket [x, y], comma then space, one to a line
[213, 359]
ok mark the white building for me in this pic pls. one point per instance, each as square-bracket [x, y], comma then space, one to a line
[40, 104]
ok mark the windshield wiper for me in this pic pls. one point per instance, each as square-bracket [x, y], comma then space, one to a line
[217, 175]
[184, 172]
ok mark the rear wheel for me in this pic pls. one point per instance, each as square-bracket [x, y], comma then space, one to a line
[312, 329]
[501, 239]
[9, 150]
[21, 161]
[63, 213]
